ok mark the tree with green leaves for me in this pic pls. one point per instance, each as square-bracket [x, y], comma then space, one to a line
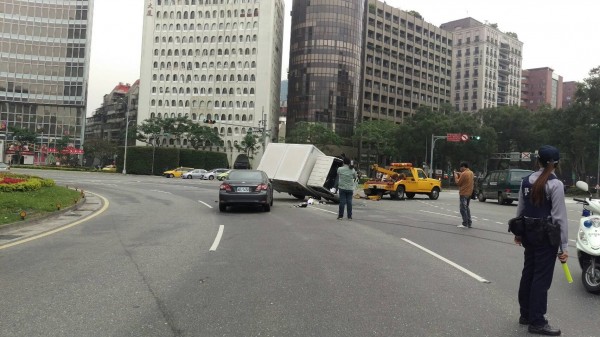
[176, 127]
[149, 131]
[101, 149]
[377, 136]
[249, 144]
[317, 134]
[22, 138]
[200, 136]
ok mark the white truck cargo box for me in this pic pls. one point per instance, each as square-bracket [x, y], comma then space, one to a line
[289, 166]
[323, 176]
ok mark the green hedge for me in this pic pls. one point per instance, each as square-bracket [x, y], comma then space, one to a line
[139, 159]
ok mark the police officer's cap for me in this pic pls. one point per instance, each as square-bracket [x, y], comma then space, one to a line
[548, 153]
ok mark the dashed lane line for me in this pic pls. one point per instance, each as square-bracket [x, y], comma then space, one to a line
[217, 239]
[464, 270]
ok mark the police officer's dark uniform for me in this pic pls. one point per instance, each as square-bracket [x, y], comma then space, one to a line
[540, 253]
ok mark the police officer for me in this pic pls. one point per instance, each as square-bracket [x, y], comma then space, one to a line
[541, 196]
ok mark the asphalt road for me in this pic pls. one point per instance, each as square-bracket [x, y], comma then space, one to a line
[152, 264]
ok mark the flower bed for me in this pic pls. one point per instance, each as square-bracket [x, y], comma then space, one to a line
[20, 183]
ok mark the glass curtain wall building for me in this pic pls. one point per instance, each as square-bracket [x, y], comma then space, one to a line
[325, 63]
[44, 60]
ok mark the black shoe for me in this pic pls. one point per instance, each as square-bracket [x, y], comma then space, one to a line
[340, 218]
[523, 320]
[545, 330]
[349, 218]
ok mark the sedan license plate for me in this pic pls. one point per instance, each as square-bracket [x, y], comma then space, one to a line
[243, 189]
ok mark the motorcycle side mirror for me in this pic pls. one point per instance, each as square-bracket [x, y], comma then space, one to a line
[582, 185]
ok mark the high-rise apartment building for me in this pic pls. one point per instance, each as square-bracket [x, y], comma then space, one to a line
[541, 86]
[44, 66]
[569, 90]
[407, 64]
[487, 65]
[213, 60]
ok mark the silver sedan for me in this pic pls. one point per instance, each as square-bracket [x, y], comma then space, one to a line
[194, 174]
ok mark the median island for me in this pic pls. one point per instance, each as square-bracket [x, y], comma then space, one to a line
[25, 197]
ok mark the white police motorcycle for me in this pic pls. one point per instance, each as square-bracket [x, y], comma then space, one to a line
[588, 241]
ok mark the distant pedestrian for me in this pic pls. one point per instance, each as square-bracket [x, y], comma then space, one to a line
[464, 181]
[346, 177]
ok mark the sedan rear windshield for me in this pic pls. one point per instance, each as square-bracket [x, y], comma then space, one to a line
[516, 177]
[245, 175]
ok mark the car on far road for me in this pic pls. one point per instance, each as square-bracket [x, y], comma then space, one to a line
[4, 167]
[212, 174]
[246, 187]
[177, 172]
[194, 174]
[223, 176]
[503, 185]
[109, 168]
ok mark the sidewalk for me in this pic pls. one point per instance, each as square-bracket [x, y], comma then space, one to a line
[26, 230]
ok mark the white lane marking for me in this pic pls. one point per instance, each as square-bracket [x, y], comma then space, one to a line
[323, 210]
[464, 270]
[159, 191]
[205, 204]
[442, 214]
[217, 239]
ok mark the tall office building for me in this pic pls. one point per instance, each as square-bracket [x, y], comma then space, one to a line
[44, 66]
[487, 65]
[325, 63]
[213, 60]
[350, 63]
[541, 86]
[408, 64]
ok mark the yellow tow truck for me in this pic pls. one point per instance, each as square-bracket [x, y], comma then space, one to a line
[400, 179]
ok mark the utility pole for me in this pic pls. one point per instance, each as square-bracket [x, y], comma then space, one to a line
[433, 139]
[126, 134]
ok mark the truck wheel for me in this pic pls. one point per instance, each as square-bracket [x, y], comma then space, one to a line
[298, 196]
[367, 192]
[481, 197]
[399, 194]
[591, 283]
[435, 193]
[410, 195]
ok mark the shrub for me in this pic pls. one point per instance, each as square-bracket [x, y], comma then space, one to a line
[10, 182]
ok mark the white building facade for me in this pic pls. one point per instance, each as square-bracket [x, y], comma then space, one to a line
[487, 65]
[217, 62]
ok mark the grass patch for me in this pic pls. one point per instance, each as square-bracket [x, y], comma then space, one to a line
[35, 203]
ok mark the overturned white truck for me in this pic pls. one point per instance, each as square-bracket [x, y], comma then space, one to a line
[301, 170]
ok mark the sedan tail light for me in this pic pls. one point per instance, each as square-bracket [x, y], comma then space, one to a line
[226, 187]
[262, 187]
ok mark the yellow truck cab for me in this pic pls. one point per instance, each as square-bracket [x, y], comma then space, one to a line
[399, 180]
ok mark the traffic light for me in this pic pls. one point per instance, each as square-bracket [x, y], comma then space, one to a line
[474, 137]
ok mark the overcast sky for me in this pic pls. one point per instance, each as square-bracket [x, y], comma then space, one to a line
[556, 34]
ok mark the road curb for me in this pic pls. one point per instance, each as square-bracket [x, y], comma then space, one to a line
[85, 208]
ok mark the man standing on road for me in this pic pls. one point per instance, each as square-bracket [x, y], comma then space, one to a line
[464, 181]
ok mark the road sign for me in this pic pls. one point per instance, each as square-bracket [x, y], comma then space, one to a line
[453, 137]
[525, 156]
[464, 137]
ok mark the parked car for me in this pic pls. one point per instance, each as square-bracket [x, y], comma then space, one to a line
[502, 185]
[212, 174]
[109, 168]
[246, 187]
[177, 172]
[194, 174]
[4, 167]
[223, 176]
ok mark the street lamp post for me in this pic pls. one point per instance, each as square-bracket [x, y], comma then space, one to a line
[433, 139]
[126, 140]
